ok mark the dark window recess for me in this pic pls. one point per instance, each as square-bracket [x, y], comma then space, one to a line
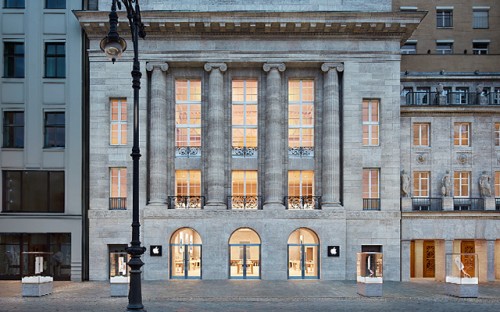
[54, 129]
[33, 191]
[13, 129]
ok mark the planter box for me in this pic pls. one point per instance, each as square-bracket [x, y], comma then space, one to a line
[37, 286]
[119, 286]
[462, 287]
[370, 286]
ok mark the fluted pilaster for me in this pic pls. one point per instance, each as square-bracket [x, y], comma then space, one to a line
[215, 136]
[330, 160]
[158, 133]
[273, 158]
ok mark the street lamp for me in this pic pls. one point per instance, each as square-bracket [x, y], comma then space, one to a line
[113, 45]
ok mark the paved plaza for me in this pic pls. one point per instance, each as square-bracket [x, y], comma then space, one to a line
[239, 296]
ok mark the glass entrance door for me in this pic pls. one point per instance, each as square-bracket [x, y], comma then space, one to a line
[244, 261]
[186, 261]
[303, 254]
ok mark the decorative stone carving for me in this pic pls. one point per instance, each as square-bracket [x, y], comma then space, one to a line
[279, 66]
[463, 158]
[446, 184]
[221, 66]
[421, 158]
[405, 184]
[327, 66]
[485, 185]
[152, 65]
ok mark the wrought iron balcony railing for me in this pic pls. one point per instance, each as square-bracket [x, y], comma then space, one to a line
[301, 152]
[427, 204]
[186, 202]
[468, 204]
[244, 152]
[303, 202]
[117, 203]
[244, 202]
[452, 98]
[187, 151]
[371, 203]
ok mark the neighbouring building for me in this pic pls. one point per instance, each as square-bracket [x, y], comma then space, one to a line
[450, 134]
[41, 223]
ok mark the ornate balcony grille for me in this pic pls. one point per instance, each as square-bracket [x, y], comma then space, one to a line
[371, 203]
[303, 202]
[244, 202]
[427, 204]
[186, 202]
[244, 152]
[301, 152]
[187, 151]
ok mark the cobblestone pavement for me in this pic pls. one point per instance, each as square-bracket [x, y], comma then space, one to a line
[239, 296]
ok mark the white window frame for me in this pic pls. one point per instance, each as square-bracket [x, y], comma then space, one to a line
[371, 184]
[461, 133]
[121, 125]
[117, 179]
[245, 103]
[246, 180]
[480, 47]
[444, 47]
[301, 182]
[188, 182]
[444, 17]
[497, 184]
[419, 177]
[420, 128]
[497, 133]
[189, 103]
[410, 47]
[461, 179]
[370, 124]
[301, 103]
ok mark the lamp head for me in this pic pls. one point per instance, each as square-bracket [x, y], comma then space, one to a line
[113, 47]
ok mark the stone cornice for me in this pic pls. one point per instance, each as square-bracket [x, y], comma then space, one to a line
[445, 215]
[427, 110]
[340, 24]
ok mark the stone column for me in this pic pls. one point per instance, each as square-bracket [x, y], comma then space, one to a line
[405, 260]
[273, 158]
[490, 249]
[215, 143]
[330, 147]
[158, 134]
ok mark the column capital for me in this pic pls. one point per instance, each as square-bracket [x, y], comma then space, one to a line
[279, 66]
[159, 65]
[328, 66]
[221, 66]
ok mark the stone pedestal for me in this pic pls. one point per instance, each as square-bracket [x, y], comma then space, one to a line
[462, 287]
[370, 286]
[406, 204]
[489, 203]
[119, 286]
[36, 286]
[447, 203]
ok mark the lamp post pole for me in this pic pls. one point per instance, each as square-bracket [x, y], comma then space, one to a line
[113, 45]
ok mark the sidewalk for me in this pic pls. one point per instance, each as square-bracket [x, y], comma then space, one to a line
[237, 295]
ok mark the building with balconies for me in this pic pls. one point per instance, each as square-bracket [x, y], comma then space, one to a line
[450, 138]
[269, 133]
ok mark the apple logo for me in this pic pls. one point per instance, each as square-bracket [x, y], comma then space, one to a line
[156, 250]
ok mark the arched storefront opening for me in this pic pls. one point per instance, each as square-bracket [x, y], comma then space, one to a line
[185, 254]
[303, 254]
[244, 254]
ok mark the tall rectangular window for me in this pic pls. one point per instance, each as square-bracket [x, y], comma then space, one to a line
[13, 129]
[497, 133]
[188, 113]
[244, 117]
[371, 123]
[13, 60]
[55, 4]
[480, 18]
[55, 129]
[55, 60]
[421, 184]
[461, 95]
[244, 183]
[301, 183]
[301, 116]
[14, 4]
[461, 134]
[33, 191]
[421, 134]
[497, 184]
[118, 188]
[118, 122]
[371, 189]
[444, 18]
[187, 183]
[422, 96]
[461, 184]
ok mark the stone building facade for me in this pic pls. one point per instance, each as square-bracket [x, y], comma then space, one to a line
[267, 136]
[450, 80]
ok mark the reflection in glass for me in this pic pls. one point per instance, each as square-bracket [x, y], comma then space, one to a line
[244, 254]
[185, 254]
[303, 255]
